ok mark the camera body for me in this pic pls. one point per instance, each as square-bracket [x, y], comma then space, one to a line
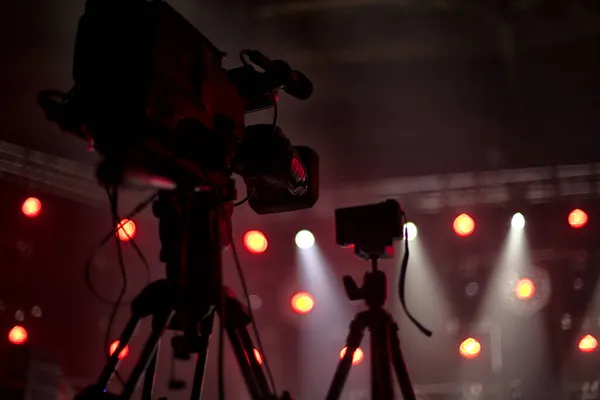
[372, 229]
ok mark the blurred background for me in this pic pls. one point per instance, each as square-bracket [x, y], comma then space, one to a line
[485, 108]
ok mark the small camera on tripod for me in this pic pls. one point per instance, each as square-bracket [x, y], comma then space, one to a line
[372, 230]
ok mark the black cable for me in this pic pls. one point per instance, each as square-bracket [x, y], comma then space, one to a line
[222, 317]
[245, 199]
[114, 201]
[273, 97]
[402, 281]
[243, 54]
[240, 271]
[88, 265]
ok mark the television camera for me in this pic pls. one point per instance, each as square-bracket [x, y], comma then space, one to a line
[150, 95]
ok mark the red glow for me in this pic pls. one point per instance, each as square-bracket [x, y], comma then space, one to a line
[255, 242]
[126, 230]
[258, 356]
[469, 348]
[113, 347]
[17, 335]
[588, 343]
[357, 357]
[578, 218]
[463, 225]
[303, 303]
[524, 289]
[31, 207]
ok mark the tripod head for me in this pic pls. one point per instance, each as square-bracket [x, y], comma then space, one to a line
[373, 290]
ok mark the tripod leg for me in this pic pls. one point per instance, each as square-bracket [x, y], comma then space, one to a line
[110, 367]
[257, 370]
[148, 387]
[159, 324]
[355, 336]
[205, 332]
[236, 319]
[404, 382]
[381, 375]
[244, 357]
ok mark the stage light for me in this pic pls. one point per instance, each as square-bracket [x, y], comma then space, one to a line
[524, 289]
[588, 343]
[126, 230]
[463, 225]
[124, 353]
[472, 289]
[578, 218]
[305, 239]
[469, 348]
[303, 303]
[517, 222]
[357, 357]
[258, 357]
[17, 335]
[411, 231]
[255, 242]
[36, 311]
[31, 207]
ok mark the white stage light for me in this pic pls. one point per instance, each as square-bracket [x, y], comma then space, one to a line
[305, 239]
[411, 231]
[518, 221]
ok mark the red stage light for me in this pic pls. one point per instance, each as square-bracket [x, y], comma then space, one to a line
[17, 335]
[524, 289]
[31, 207]
[469, 348]
[578, 218]
[303, 302]
[357, 357]
[258, 356]
[588, 343]
[463, 225]
[124, 353]
[126, 230]
[255, 242]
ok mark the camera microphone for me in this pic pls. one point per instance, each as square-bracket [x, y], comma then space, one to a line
[294, 82]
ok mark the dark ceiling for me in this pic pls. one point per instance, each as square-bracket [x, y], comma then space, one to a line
[402, 88]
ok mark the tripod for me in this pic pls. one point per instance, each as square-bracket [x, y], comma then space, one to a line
[385, 345]
[192, 227]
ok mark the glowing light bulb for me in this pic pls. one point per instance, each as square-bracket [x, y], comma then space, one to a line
[469, 348]
[524, 289]
[578, 218]
[303, 302]
[411, 231]
[126, 230]
[588, 344]
[124, 353]
[517, 222]
[357, 357]
[305, 239]
[255, 242]
[32, 207]
[463, 225]
[17, 335]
